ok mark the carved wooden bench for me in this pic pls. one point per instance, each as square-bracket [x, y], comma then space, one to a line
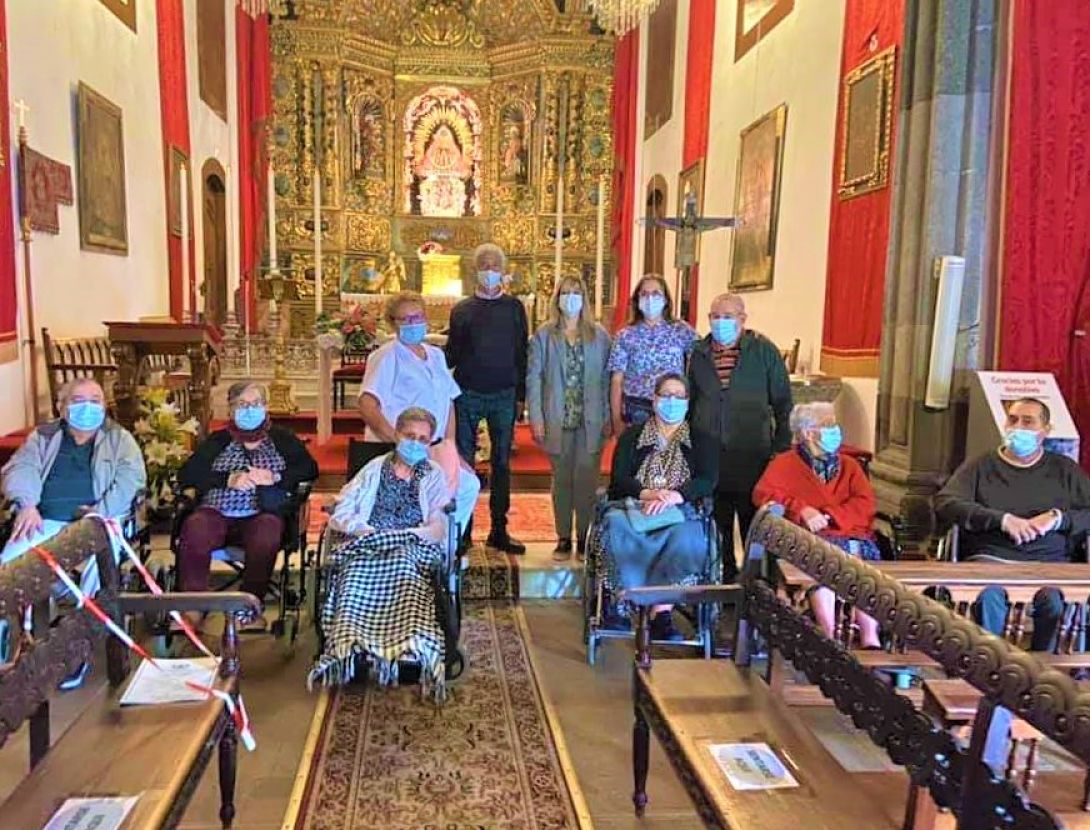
[158, 752]
[990, 672]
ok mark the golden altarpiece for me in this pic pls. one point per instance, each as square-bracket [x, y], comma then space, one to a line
[434, 125]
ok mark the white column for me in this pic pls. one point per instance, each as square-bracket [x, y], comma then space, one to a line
[234, 245]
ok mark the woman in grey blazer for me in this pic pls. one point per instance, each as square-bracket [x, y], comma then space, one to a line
[567, 394]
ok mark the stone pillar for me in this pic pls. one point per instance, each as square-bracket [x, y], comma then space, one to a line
[943, 189]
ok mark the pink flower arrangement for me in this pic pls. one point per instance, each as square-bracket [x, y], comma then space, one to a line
[429, 247]
[357, 326]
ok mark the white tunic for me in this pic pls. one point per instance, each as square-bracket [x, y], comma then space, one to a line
[398, 379]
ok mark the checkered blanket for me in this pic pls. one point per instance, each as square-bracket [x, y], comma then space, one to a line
[382, 603]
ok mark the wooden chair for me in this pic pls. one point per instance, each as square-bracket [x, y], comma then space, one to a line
[160, 752]
[82, 357]
[352, 368]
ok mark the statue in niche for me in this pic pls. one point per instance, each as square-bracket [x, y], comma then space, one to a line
[393, 275]
[442, 171]
[514, 155]
[368, 140]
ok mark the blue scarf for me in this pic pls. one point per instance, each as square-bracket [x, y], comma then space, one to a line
[826, 468]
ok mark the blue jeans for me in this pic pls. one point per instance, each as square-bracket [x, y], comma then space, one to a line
[498, 410]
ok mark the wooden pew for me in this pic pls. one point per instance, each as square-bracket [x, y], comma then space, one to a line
[1000, 673]
[160, 752]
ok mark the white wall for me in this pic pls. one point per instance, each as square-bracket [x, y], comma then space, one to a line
[208, 133]
[797, 64]
[53, 46]
[661, 153]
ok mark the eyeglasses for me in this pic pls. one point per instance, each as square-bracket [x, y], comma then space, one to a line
[411, 318]
[249, 404]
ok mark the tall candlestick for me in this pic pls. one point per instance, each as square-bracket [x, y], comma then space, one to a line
[317, 244]
[273, 260]
[189, 287]
[558, 256]
[600, 257]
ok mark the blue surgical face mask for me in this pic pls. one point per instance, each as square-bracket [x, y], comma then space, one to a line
[672, 410]
[411, 451]
[490, 279]
[412, 334]
[652, 306]
[85, 415]
[1021, 442]
[725, 330]
[249, 417]
[830, 439]
[571, 304]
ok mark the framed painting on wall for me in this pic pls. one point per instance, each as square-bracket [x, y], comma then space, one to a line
[754, 20]
[124, 9]
[756, 201]
[178, 158]
[661, 38]
[867, 102]
[103, 220]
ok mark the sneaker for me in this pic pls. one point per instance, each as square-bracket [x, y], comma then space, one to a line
[501, 541]
[662, 628]
[562, 551]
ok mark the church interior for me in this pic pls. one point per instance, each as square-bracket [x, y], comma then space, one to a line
[544, 414]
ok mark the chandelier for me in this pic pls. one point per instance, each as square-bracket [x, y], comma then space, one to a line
[620, 16]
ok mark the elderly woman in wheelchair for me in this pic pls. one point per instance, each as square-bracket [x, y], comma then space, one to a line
[388, 532]
[244, 476]
[827, 492]
[652, 533]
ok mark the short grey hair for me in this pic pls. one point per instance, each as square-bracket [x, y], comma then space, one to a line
[68, 388]
[731, 298]
[416, 414]
[489, 248]
[808, 415]
[238, 389]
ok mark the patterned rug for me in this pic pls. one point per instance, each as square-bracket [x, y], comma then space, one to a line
[488, 758]
[530, 518]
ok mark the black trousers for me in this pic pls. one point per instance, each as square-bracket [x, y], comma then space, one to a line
[728, 505]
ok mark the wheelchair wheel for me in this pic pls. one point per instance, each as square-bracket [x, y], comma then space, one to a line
[456, 665]
[159, 621]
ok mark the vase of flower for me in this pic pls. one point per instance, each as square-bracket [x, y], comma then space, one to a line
[166, 441]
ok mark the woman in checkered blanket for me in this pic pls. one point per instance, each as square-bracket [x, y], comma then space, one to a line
[387, 544]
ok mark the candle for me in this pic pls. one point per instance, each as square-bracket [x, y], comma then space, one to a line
[183, 202]
[246, 321]
[600, 257]
[273, 260]
[317, 244]
[559, 253]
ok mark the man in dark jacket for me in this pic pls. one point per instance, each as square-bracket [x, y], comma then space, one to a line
[741, 395]
[486, 350]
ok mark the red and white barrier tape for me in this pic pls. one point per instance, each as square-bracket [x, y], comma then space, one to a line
[235, 707]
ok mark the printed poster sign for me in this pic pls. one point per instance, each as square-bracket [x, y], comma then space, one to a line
[1001, 389]
[92, 814]
[752, 767]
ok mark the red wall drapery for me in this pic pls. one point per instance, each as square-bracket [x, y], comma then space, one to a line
[174, 115]
[9, 338]
[254, 105]
[859, 227]
[1044, 314]
[626, 82]
[698, 97]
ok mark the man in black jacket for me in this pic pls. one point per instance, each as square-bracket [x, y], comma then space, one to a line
[486, 349]
[741, 396]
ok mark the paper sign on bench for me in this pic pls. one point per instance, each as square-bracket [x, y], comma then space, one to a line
[150, 687]
[752, 766]
[92, 814]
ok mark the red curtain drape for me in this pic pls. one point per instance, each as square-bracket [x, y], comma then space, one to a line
[9, 338]
[698, 97]
[1044, 314]
[174, 115]
[254, 106]
[626, 133]
[859, 227]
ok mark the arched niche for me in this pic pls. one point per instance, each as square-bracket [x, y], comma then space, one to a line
[442, 154]
[654, 237]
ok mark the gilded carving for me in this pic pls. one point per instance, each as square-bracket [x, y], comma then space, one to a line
[444, 23]
[515, 234]
[460, 236]
[367, 233]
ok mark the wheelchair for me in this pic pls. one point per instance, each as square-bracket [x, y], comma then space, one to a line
[446, 583]
[288, 592]
[599, 598]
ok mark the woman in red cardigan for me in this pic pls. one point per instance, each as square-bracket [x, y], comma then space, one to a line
[828, 493]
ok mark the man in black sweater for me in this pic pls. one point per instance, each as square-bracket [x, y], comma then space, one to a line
[1019, 503]
[486, 349]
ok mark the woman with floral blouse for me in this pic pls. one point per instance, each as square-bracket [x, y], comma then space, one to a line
[651, 345]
